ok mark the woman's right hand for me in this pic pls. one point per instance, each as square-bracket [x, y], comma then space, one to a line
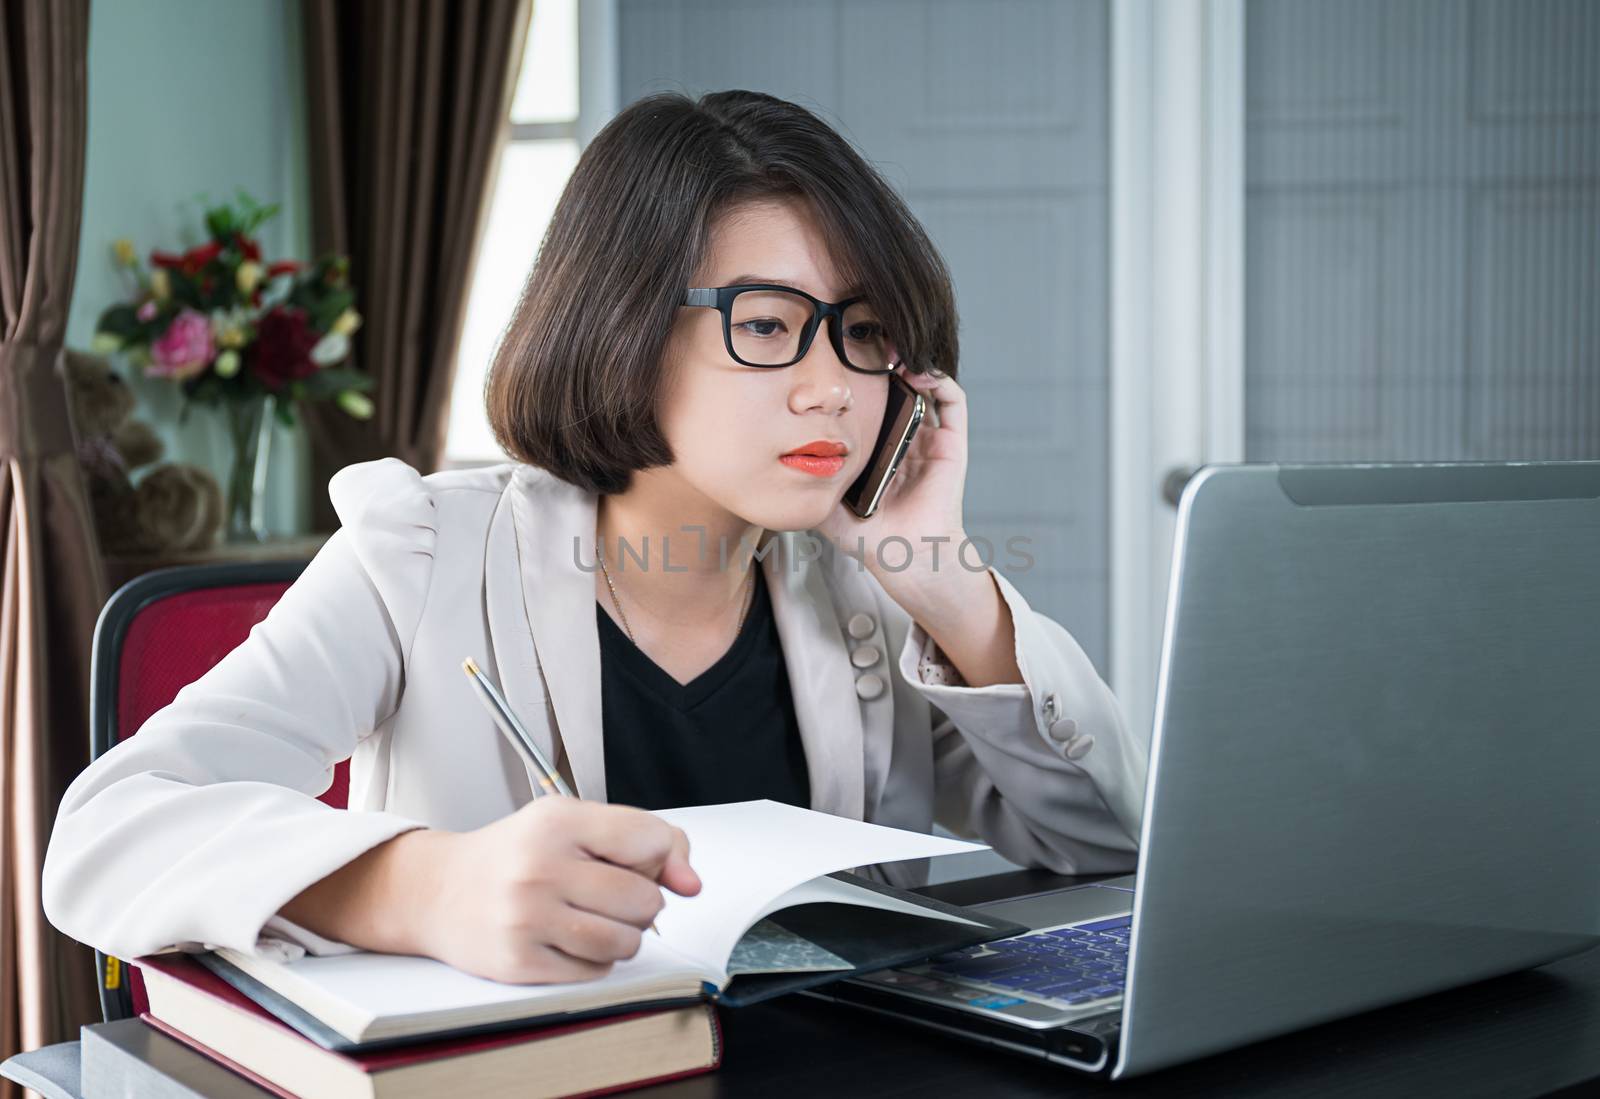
[557, 891]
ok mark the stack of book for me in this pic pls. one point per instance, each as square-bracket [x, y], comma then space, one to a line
[383, 1026]
[191, 1004]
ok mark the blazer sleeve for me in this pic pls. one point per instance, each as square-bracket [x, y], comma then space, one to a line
[198, 829]
[1002, 768]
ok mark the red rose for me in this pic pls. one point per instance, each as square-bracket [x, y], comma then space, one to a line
[281, 352]
[191, 261]
[282, 267]
[248, 248]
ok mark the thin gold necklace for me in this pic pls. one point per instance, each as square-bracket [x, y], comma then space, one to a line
[624, 616]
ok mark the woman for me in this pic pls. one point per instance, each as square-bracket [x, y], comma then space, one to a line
[780, 650]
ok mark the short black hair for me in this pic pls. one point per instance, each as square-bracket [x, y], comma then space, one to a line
[573, 385]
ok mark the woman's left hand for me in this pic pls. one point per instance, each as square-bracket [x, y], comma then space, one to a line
[922, 504]
[953, 598]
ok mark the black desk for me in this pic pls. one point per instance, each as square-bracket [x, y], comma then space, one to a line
[1531, 1033]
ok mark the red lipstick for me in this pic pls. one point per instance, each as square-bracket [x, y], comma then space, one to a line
[820, 457]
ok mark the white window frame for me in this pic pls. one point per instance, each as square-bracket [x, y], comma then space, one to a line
[597, 103]
[1177, 294]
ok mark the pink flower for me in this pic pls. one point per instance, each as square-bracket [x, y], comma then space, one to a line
[147, 312]
[184, 349]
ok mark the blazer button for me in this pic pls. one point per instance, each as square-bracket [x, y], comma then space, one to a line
[865, 656]
[869, 686]
[861, 626]
[1079, 746]
[1063, 730]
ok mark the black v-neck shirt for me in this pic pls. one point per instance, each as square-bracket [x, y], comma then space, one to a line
[729, 734]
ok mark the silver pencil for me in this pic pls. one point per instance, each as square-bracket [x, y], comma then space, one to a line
[495, 703]
[503, 716]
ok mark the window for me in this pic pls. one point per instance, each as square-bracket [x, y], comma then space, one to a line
[539, 156]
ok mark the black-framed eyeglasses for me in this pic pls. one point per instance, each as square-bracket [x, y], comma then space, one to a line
[766, 324]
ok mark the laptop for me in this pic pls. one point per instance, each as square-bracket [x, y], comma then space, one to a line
[1372, 773]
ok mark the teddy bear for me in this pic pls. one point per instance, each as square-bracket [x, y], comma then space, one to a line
[174, 507]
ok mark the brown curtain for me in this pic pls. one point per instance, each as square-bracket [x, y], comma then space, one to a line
[407, 105]
[51, 581]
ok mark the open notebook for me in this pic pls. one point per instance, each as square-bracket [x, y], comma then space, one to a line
[756, 859]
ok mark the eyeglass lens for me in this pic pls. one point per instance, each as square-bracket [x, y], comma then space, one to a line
[766, 325]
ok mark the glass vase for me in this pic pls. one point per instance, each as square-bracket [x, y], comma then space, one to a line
[250, 432]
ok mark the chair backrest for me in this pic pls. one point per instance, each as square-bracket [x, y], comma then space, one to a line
[158, 633]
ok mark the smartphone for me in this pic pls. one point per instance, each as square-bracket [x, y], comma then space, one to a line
[901, 417]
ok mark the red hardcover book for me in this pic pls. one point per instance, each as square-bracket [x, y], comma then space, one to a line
[585, 1058]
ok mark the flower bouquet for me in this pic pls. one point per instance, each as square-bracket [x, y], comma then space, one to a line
[250, 337]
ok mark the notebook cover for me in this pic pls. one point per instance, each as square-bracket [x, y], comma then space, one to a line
[869, 938]
[133, 1057]
[393, 1053]
[287, 1011]
[226, 1062]
[267, 1085]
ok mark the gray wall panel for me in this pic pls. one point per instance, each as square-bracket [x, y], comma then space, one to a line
[1422, 219]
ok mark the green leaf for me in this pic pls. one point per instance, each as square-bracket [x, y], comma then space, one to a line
[329, 310]
[185, 290]
[119, 320]
[252, 213]
[326, 383]
[205, 389]
[220, 223]
[262, 216]
[353, 378]
[315, 388]
[323, 304]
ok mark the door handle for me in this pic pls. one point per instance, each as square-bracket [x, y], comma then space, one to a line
[1174, 480]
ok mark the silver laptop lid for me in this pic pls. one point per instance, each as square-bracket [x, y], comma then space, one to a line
[1376, 745]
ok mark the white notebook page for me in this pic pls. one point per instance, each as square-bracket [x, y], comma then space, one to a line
[353, 993]
[750, 853]
[753, 857]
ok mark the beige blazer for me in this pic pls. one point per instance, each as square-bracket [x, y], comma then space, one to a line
[195, 832]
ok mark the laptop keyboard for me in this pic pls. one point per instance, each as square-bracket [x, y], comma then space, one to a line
[1068, 965]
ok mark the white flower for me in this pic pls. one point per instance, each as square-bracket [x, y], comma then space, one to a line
[277, 291]
[231, 327]
[332, 348]
[227, 364]
[347, 323]
[248, 276]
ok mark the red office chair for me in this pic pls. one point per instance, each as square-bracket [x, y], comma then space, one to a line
[159, 632]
